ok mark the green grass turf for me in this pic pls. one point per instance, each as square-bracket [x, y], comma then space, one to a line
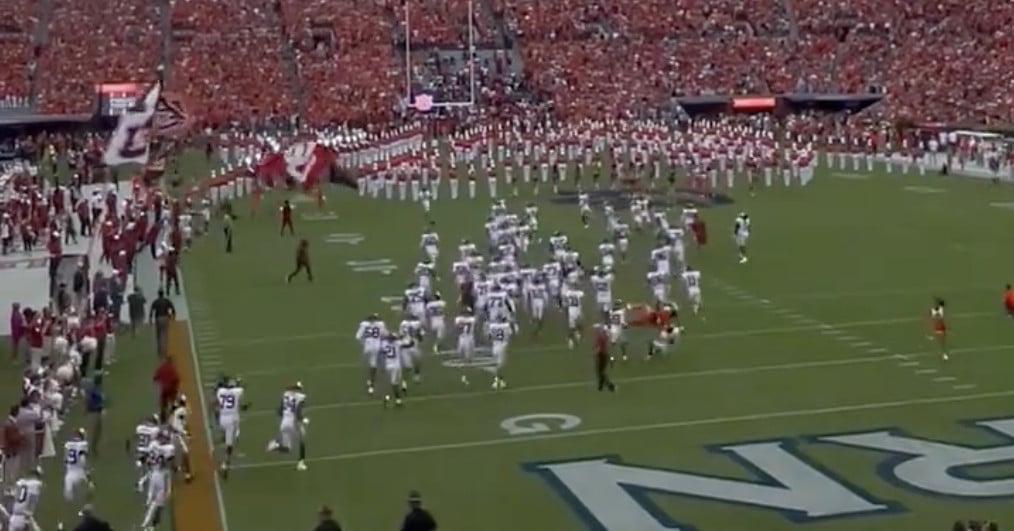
[859, 257]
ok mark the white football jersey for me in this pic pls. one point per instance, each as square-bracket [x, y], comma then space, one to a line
[692, 280]
[26, 496]
[161, 455]
[572, 298]
[370, 333]
[292, 405]
[435, 309]
[75, 454]
[144, 434]
[228, 399]
[603, 286]
[429, 239]
[465, 325]
[178, 420]
[410, 327]
[500, 332]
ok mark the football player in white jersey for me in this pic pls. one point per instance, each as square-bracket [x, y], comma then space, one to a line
[228, 402]
[538, 294]
[741, 233]
[178, 426]
[499, 304]
[462, 272]
[482, 287]
[618, 327]
[370, 334]
[584, 205]
[161, 461]
[426, 274]
[75, 462]
[144, 434]
[558, 245]
[692, 283]
[391, 355]
[411, 331]
[429, 242]
[602, 285]
[435, 308]
[621, 237]
[27, 491]
[292, 424]
[607, 253]
[466, 249]
[571, 297]
[500, 332]
[658, 282]
[660, 256]
[674, 238]
[464, 325]
[414, 302]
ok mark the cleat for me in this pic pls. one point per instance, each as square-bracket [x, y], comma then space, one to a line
[369, 390]
[464, 379]
[272, 446]
[946, 357]
[301, 466]
[397, 402]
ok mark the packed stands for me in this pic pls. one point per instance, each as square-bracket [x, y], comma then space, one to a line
[227, 61]
[444, 23]
[948, 60]
[344, 51]
[91, 42]
[940, 61]
[16, 28]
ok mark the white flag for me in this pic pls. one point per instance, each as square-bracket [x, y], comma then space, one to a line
[129, 143]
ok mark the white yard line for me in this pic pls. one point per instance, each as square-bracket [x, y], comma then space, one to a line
[710, 421]
[825, 328]
[635, 379]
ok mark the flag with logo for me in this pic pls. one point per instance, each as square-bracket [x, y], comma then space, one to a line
[130, 141]
[306, 164]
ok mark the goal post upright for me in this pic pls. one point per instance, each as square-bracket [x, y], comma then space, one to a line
[469, 56]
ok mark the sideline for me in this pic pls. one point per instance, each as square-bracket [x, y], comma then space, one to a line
[194, 504]
[506, 440]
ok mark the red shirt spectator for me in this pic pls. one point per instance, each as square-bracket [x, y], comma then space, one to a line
[167, 379]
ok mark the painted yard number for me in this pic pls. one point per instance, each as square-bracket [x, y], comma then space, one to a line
[382, 266]
[344, 238]
[539, 423]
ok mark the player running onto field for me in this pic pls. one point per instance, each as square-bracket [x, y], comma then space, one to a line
[692, 284]
[161, 460]
[370, 334]
[618, 328]
[464, 324]
[741, 233]
[75, 461]
[228, 402]
[391, 356]
[292, 424]
[500, 332]
[571, 298]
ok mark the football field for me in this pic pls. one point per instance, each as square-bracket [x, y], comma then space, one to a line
[809, 394]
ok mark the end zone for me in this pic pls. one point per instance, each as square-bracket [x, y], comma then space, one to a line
[197, 505]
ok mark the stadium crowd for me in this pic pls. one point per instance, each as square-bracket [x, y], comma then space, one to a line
[342, 60]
